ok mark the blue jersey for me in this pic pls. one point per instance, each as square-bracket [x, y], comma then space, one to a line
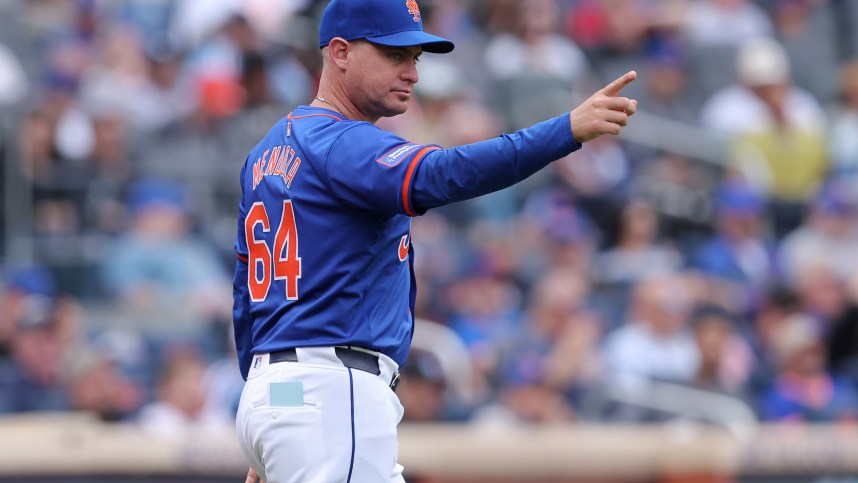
[323, 245]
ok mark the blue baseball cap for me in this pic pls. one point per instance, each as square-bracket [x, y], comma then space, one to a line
[735, 198]
[150, 193]
[31, 279]
[835, 198]
[395, 23]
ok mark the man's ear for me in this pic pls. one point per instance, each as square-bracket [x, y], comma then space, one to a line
[338, 52]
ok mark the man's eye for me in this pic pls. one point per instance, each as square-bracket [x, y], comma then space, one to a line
[396, 56]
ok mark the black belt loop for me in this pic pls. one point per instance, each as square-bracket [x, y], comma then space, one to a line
[352, 358]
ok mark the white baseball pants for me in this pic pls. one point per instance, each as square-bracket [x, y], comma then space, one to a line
[317, 421]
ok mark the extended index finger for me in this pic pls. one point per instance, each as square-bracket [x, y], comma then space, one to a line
[615, 87]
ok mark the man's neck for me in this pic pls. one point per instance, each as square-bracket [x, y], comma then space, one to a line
[328, 99]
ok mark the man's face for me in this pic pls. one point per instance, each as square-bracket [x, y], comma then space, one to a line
[380, 79]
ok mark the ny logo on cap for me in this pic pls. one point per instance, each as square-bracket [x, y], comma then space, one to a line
[413, 9]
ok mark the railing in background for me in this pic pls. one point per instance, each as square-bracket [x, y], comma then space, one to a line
[68, 447]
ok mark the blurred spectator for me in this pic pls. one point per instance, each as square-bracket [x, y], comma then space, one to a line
[821, 292]
[223, 380]
[556, 233]
[422, 388]
[656, 342]
[609, 28]
[762, 96]
[441, 255]
[535, 69]
[37, 145]
[128, 351]
[738, 257]
[803, 390]
[725, 358]
[119, 81]
[842, 340]
[143, 86]
[554, 358]
[560, 344]
[805, 27]
[533, 47]
[485, 314]
[20, 284]
[638, 253]
[33, 378]
[98, 386]
[828, 235]
[599, 177]
[69, 33]
[193, 22]
[679, 188]
[158, 265]
[843, 142]
[216, 67]
[587, 22]
[13, 80]
[666, 80]
[519, 404]
[778, 304]
[180, 407]
[718, 22]
[110, 157]
[460, 22]
[777, 130]
[111, 166]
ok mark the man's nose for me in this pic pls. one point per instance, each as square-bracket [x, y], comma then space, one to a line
[410, 73]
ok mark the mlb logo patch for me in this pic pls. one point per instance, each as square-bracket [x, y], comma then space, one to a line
[396, 155]
[257, 361]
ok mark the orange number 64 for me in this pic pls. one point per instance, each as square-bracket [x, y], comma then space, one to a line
[285, 262]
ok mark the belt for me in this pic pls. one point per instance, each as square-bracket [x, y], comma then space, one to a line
[352, 358]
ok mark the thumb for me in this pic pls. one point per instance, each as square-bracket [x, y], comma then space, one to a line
[614, 88]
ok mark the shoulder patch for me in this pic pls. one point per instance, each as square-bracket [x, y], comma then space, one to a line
[396, 155]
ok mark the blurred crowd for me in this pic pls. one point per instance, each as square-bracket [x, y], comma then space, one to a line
[703, 266]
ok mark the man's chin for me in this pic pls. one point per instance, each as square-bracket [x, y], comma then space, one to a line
[396, 110]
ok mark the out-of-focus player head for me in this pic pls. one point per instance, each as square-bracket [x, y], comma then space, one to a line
[370, 50]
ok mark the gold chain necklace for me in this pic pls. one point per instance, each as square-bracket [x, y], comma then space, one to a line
[322, 99]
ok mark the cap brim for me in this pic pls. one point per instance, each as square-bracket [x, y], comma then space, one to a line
[430, 43]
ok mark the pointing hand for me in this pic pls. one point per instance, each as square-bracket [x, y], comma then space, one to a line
[604, 112]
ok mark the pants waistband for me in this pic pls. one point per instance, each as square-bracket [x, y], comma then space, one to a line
[353, 357]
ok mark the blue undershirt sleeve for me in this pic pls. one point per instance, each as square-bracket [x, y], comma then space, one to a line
[464, 172]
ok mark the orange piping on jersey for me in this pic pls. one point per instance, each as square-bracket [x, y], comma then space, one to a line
[406, 186]
[291, 117]
[241, 257]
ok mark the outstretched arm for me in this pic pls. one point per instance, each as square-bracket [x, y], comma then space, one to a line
[464, 172]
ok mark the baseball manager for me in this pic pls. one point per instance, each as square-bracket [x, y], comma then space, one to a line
[324, 286]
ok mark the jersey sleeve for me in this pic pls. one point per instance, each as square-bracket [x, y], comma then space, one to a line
[372, 169]
[472, 170]
[242, 323]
